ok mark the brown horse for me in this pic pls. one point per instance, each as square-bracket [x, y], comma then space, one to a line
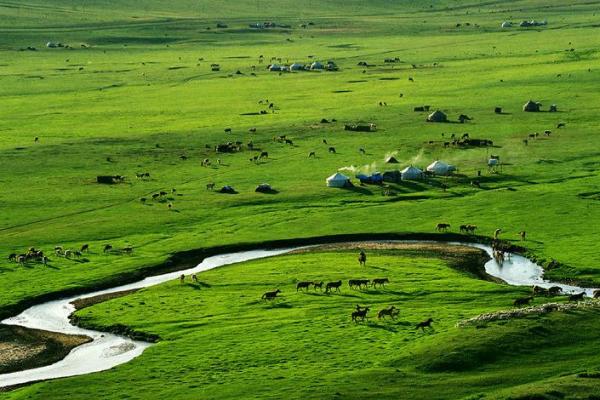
[577, 297]
[390, 311]
[318, 285]
[333, 285]
[380, 281]
[424, 324]
[442, 227]
[362, 258]
[362, 314]
[303, 285]
[522, 301]
[270, 295]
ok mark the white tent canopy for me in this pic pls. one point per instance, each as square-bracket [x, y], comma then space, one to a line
[440, 168]
[411, 173]
[337, 180]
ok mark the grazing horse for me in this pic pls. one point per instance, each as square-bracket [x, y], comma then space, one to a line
[303, 285]
[270, 295]
[362, 258]
[442, 227]
[522, 301]
[380, 281]
[318, 285]
[540, 291]
[576, 297]
[390, 311]
[424, 324]
[360, 313]
[264, 154]
[333, 285]
[85, 248]
[354, 283]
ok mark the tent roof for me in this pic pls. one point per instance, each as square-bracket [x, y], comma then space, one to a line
[338, 177]
[391, 160]
[411, 169]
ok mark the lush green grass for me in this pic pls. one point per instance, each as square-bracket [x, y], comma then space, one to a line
[140, 97]
[219, 340]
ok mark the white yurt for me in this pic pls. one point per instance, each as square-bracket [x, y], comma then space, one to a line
[507, 24]
[411, 174]
[337, 180]
[440, 168]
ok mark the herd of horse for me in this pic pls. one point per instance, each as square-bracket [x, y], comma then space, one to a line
[551, 292]
[38, 256]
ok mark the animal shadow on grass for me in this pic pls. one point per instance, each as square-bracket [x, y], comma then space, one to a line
[390, 327]
[282, 304]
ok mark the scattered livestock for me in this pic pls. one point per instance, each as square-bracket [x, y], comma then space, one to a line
[391, 312]
[333, 286]
[331, 150]
[358, 283]
[468, 228]
[577, 297]
[270, 295]
[318, 285]
[303, 285]
[523, 301]
[110, 179]
[424, 324]
[380, 281]
[360, 313]
[442, 227]
[362, 258]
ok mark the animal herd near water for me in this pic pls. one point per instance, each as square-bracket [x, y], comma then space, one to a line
[38, 256]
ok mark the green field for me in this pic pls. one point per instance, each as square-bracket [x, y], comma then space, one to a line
[135, 92]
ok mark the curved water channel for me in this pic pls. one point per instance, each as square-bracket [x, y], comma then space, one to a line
[107, 350]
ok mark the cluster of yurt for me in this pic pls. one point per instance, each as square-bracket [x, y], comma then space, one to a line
[295, 67]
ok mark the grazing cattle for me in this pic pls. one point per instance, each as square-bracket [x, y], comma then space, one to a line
[390, 311]
[68, 253]
[107, 248]
[333, 285]
[210, 186]
[303, 285]
[12, 257]
[318, 285]
[331, 150]
[362, 314]
[312, 154]
[21, 259]
[270, 295]
[424, 324]
[362, 258]
[264, 154]
[547, 132]
[555, 291]
[442, 227]
[380, 281]
[577, 297]
[522, 301]
[288, 141]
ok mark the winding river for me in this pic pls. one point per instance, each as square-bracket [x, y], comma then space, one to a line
[107, 350]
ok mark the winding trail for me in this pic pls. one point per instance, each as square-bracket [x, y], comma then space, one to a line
[108, 350]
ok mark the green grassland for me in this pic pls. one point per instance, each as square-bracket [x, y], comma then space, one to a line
[141, 93]
[219, 340]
